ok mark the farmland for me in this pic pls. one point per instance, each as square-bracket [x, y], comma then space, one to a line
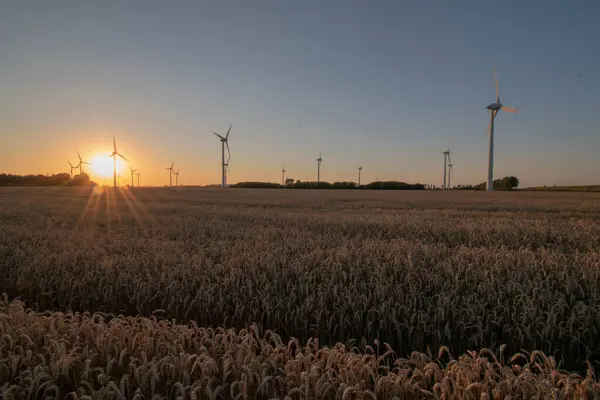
[206, 293]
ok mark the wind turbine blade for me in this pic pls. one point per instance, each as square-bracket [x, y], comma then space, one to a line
[218, 135]
[123, 157]
[496, 79]
[229, 130]
[228, 152]
[510, 109]
[85, 162]
[115, 144]
[78, 156]
[71, 165]
[489, 128]
[172, 164]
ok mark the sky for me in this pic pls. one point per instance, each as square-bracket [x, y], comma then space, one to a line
[388, 85]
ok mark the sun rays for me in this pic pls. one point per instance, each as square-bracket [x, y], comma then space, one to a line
[109, 206]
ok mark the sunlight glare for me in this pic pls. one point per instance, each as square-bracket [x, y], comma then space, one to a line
[103, 166]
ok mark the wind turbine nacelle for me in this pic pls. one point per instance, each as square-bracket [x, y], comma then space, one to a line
[494, 106]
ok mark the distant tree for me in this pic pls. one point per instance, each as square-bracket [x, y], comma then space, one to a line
[289, 181]
[512, 181]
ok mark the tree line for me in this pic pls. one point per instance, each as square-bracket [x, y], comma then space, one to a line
[506, 183]
[62, 179]
[291, 184]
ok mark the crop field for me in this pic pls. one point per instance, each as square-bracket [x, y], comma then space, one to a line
[299, 294]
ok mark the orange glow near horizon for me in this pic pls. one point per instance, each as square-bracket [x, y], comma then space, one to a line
[103, 166]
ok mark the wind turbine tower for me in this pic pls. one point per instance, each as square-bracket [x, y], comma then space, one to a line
[319, 160]
[359, 172]
[176, 177]
[283, 176]
[494, 108]
[114, 155]
[132, 171]
[171, 173]
[446, 157]
[450, 171]
[138, 176]
[224, 165]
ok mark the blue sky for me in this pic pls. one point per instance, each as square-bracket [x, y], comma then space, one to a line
[386, 84]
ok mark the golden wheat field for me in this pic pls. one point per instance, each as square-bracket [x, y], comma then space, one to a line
[292, 294]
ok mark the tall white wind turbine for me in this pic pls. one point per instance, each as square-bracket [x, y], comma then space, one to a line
[283, 176]
[224, 165]
[494, 108]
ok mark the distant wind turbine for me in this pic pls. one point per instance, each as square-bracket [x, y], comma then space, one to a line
[450, 171]
[171, 173]
[319, 160]
[224, 165]
[81, 162]
[132, 171]
[176, 177]
[114, 155]
[138, 176]
[446, 158]
[494, 108]
[359, 172]
[283, 176]
[72, 168]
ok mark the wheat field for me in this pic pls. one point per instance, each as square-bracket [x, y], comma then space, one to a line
[259, 294]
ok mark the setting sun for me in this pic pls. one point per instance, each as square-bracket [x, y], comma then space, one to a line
[103, 166]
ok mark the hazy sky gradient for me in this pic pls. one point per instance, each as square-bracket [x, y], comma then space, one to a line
[386, 84]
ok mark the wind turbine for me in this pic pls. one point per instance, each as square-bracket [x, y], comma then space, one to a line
[80, 165]
[132, 171]
[446, 158]
[72, 168]
[224, 165]
[176, 177]
[283, 176]
[319, 160]
[138, 176]
[494, 108]
[359, 172]
[171, 173]
[114, 155]
[450, 171]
